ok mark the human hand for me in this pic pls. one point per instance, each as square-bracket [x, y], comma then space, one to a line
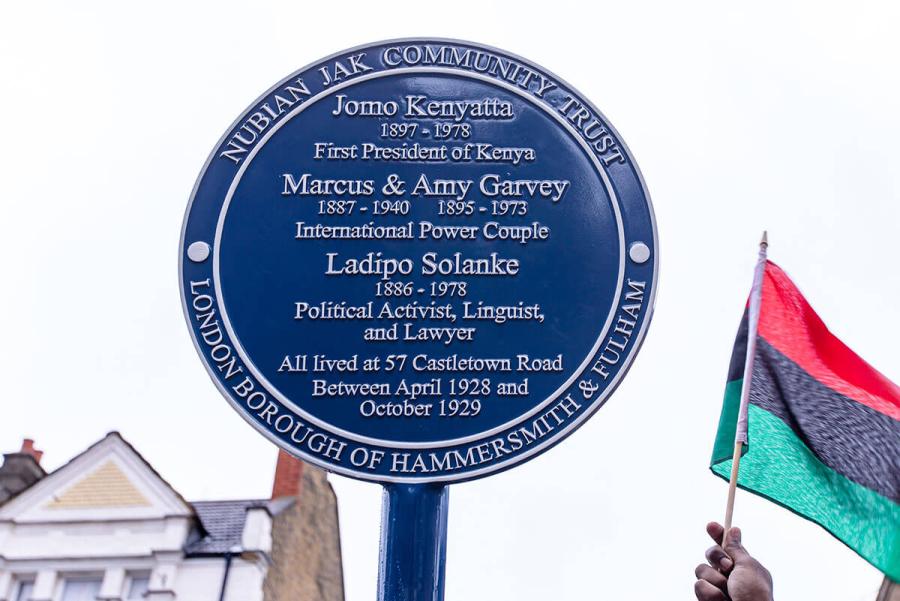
[731, 574]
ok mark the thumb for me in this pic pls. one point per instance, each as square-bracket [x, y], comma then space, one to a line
[734, 547]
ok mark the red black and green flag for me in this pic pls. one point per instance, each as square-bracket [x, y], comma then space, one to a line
[823, 426]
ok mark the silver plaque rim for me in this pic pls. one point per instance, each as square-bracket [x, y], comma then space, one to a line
[493, 467]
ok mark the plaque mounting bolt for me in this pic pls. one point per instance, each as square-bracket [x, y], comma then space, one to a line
[198, 251]
[639, 252]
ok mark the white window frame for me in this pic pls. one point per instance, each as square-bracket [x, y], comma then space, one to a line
[130, 576]
[73, 575]
[18, 582]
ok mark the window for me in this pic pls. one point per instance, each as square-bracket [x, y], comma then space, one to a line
[138, 586]
[81, 589]
[24, 591]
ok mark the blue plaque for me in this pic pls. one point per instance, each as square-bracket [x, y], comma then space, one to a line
[419, 261]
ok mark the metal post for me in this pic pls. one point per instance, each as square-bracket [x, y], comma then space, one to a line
[413, 542]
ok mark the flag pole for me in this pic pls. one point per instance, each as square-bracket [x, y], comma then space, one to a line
[740, 434]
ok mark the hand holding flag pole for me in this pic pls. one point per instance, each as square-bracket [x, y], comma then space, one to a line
[740, 435]
[826, 424]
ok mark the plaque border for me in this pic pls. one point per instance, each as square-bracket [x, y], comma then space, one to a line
[495, 466]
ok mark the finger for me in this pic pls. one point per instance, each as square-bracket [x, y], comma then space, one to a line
[718, 558]
[715, 531]
[707, 592]
[733, 546]
[712, 576]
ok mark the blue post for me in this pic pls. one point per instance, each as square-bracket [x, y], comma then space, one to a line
[413, 542]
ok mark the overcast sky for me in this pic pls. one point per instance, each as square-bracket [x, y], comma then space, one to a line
[765, 115]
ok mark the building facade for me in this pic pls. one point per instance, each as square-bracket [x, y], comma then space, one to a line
[106, 526]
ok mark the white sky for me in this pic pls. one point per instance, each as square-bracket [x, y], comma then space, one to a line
[781, 116]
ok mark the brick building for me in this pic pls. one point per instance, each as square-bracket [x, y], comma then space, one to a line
[106, 526]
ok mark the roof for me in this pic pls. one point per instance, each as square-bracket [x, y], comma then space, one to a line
[223, 522]
[112, 434]
[220, 524]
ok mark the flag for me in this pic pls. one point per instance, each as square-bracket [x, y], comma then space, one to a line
[823, 435]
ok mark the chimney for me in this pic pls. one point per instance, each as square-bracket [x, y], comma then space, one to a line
[20, 470]
[288, 472]
[28, 449]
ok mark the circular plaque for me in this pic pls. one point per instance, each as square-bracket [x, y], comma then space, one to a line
[419, 260]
